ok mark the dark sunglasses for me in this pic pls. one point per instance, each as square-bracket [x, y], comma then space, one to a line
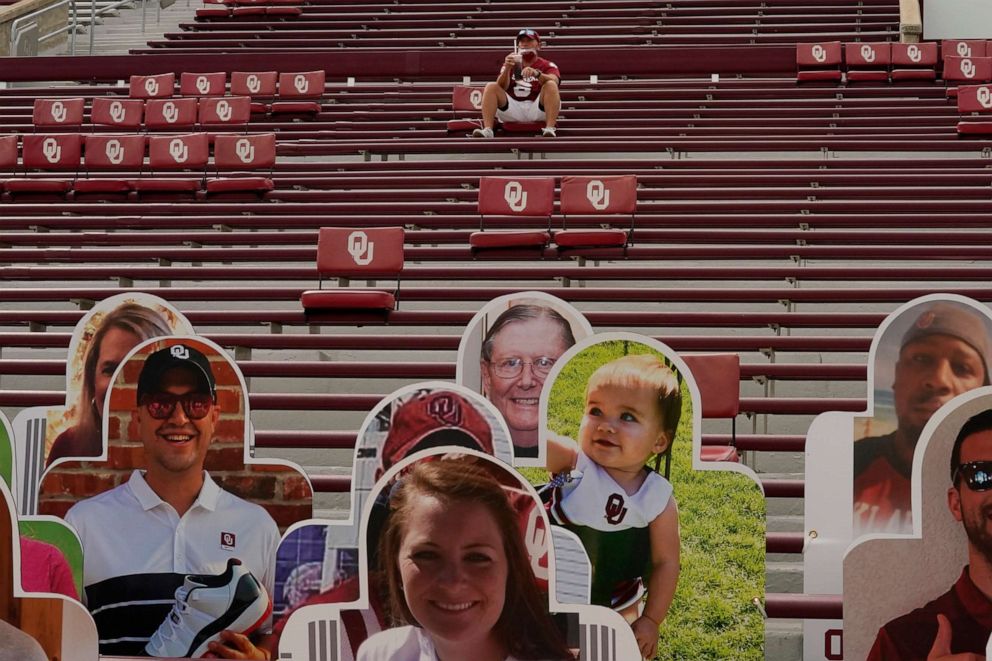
[161, 405]
[977, 475]
[527, 33]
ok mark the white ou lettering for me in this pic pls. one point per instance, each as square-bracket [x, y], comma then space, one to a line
[245, 150]
[170, 112]
[301, 84]
[598, 195]
[58, 112]
[151, 86]
[360, 248]
[522, 88]
[867, 53]
[914, 53]
[115, 152]
[984, 95]
[819, 53]
[253, 84]
[178, 150]
[964, 50]
[967, 68]
[515, 196]
[179, 351]
[536, 539]
[223, 110]
[51, 150]
[202, 84]
[475, 98]
[117, 111]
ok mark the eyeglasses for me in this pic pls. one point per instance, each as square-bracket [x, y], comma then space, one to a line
[507, 368]
[161, 405]
[977, 475]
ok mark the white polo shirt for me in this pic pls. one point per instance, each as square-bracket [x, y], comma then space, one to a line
[137, 551]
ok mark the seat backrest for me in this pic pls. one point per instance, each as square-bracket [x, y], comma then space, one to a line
[968, 69]
[259, 83]
[225, 110]
[123, 113]
[466, 98]
[718, 377]
[923, 54]
[8, 151]
[114, 152]
[245, 152]
[963, 48]
[346, 251]
[975, 98]
[304, 85]
[159, 86]
[59, 151]
[170, 113]
[58, 112]
[822, 54]
[516, 196]
[203, 84]
[179, 152]
[868, 54]
[615, 194]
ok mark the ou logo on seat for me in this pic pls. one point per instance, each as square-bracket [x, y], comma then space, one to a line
[170, 112]
[151, 86]
[914, 53]
[819, 53]
[360, 248]
[245, 150]
[58, 112]
[117, 111]
[963, 49]
[984, 95]
[967, 68]
[301, 83]
[51, 150]
[253, 84]
[475, 98]
[515, 196]
[202, 84]
[223, 110]
[178, 150]
[115, 152]
[867, 53]
[598, 195]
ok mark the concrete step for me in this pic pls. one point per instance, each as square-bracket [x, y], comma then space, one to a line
[784, 576]
[783, 640]
[785, 523]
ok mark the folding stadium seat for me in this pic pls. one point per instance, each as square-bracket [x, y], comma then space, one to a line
[120, 113]
[610, 195]
[232, 111]
[294, 89]
[172, 114]
[963, 48]
[243, 152]
[49, 113]
[220, 11]
[175, 152]
[914, 61]
[256, 85]
[356, 253]
[818, 62]
[975, 99]
[160, 86]
[718, 377]
[8, 156]
[868, 61]
[514, 196]
[54, 152]
[102, 152]
[967, 70]
[203, 84]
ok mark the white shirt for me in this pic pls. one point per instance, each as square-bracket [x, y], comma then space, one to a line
[407, 643]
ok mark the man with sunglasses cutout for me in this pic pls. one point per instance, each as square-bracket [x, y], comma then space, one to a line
[943, 354]
[143, 537]
[959, 621]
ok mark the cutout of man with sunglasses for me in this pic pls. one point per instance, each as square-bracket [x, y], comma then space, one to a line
[142, 538]
[959, 621]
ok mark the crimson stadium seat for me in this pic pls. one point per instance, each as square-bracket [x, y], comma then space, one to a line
[466, 99]
[718, 377]
[170, 114]
[514, 196]
[58, 112]
[349, 252]
[614, 195]
[975, 99]
[914, 61]
[110, 152]
[256, 85]
[819, 62]
[122, 113]
[203, 84]
[160, 86]
[967, 70]
[55, 152]
[963, 48]
[243, 152]
[224, 111]
[295, 89]
[868, 61]
[175, 152]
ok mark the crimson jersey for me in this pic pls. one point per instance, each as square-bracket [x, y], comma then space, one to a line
[529, 89]
[882, 495]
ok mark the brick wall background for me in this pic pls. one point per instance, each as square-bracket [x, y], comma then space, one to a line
[283, 491]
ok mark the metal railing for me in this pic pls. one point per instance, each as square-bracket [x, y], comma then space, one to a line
[27, 22]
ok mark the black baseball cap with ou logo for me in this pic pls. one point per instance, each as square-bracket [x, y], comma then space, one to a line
[177, 355]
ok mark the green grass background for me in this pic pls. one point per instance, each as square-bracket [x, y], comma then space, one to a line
[722, 519]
